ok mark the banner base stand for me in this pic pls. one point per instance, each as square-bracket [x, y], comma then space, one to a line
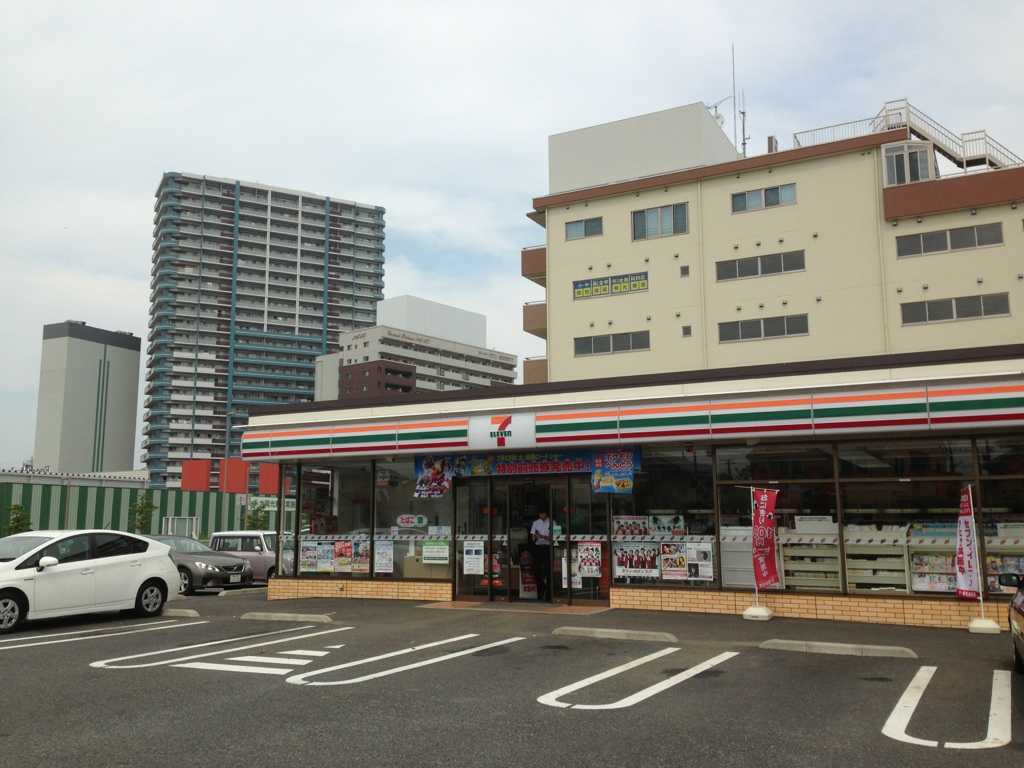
[758, 613]
[983, 627]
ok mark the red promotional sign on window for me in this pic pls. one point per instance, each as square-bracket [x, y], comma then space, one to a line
[968, 582]
[766, 571]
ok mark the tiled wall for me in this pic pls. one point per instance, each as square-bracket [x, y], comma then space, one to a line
[907, 611]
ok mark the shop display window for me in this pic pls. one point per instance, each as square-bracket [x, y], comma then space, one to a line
[664, 533]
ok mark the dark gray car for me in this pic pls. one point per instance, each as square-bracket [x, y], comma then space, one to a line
[199, 567]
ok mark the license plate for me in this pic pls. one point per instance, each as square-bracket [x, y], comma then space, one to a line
[234, 578]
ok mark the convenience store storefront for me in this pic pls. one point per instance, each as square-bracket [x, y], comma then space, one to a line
[648, 491]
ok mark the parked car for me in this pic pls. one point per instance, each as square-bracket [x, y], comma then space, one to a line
[258, 547]
[45, 574]
[199, 567]
[1016, 611]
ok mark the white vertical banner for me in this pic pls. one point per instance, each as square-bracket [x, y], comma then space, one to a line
[968, 578]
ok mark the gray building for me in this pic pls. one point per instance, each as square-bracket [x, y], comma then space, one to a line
[250, 284]
[88, 398]
[418, 346]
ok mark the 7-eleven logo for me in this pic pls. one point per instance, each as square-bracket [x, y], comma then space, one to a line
[501, 431]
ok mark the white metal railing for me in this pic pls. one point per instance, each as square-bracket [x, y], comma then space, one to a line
[972, 145]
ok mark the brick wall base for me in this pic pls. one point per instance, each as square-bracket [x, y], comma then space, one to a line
[293, 589]
[906, 611]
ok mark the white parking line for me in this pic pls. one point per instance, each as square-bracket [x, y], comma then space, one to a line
[66, 637]
[270, 660]
[304, 678]
[114, 663]
[211, 666]
[999, 714]
[552, 699]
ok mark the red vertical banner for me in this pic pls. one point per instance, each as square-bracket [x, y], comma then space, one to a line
[766, 570]
[968, 580]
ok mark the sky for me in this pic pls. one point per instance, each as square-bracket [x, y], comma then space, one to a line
[437, 110]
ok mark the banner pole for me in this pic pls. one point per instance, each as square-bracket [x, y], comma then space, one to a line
[981, 625]
[982, 581]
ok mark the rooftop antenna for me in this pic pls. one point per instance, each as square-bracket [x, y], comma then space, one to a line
[734, 95]
[743, 116]
[720, 119]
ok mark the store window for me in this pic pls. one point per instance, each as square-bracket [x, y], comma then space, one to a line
[806, 514]
[664, 533]
[413, 536]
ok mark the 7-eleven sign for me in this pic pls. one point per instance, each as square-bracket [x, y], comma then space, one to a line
[502, 430]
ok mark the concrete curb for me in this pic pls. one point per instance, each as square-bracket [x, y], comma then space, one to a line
[187, 613]
[311, 617]
[839, 649]
[617, 634]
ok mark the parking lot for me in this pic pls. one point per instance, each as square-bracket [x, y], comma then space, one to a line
[237, 680]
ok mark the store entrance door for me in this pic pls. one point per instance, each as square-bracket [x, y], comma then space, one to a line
[496, 559]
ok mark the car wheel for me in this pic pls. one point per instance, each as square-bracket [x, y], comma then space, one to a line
[185, 587]
[270, 574]
[1018, 660]
[150, 601]
[12, 611]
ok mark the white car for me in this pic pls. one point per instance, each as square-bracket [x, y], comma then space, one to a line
[44, 574]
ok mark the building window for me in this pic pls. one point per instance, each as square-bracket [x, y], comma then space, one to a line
[574, 230]
[769, 197]
[907, 163]
[960, 308]
[612, 342]
[763, 328]
[950, 240]
[754, 266]
[660, 222]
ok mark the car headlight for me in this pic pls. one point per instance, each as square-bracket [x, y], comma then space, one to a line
[205, 566]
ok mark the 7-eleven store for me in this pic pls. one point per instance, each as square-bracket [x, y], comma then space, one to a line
[647, 483]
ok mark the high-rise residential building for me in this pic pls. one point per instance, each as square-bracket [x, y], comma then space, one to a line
[88, 398]
[417, 346]
[250, 284]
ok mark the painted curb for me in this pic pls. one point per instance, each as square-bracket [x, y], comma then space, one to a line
[317, 618]
[617, 634]
[840, 649]
[187, 613]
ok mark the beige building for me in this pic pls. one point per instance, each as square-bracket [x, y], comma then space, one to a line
[839, 248]
[839, 324]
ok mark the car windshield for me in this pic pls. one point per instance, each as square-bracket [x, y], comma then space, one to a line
[183, 544]
[271, 539]
[12, 547]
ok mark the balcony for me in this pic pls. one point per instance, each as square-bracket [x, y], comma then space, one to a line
[535, 319]
[535, 370]
[535, 264]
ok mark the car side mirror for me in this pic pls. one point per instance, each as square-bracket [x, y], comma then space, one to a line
[46, 562]
[1009, 580]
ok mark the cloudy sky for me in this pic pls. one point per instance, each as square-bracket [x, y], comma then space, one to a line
[435, 109]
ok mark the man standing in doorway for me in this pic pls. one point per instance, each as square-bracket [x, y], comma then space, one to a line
[540, 534]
